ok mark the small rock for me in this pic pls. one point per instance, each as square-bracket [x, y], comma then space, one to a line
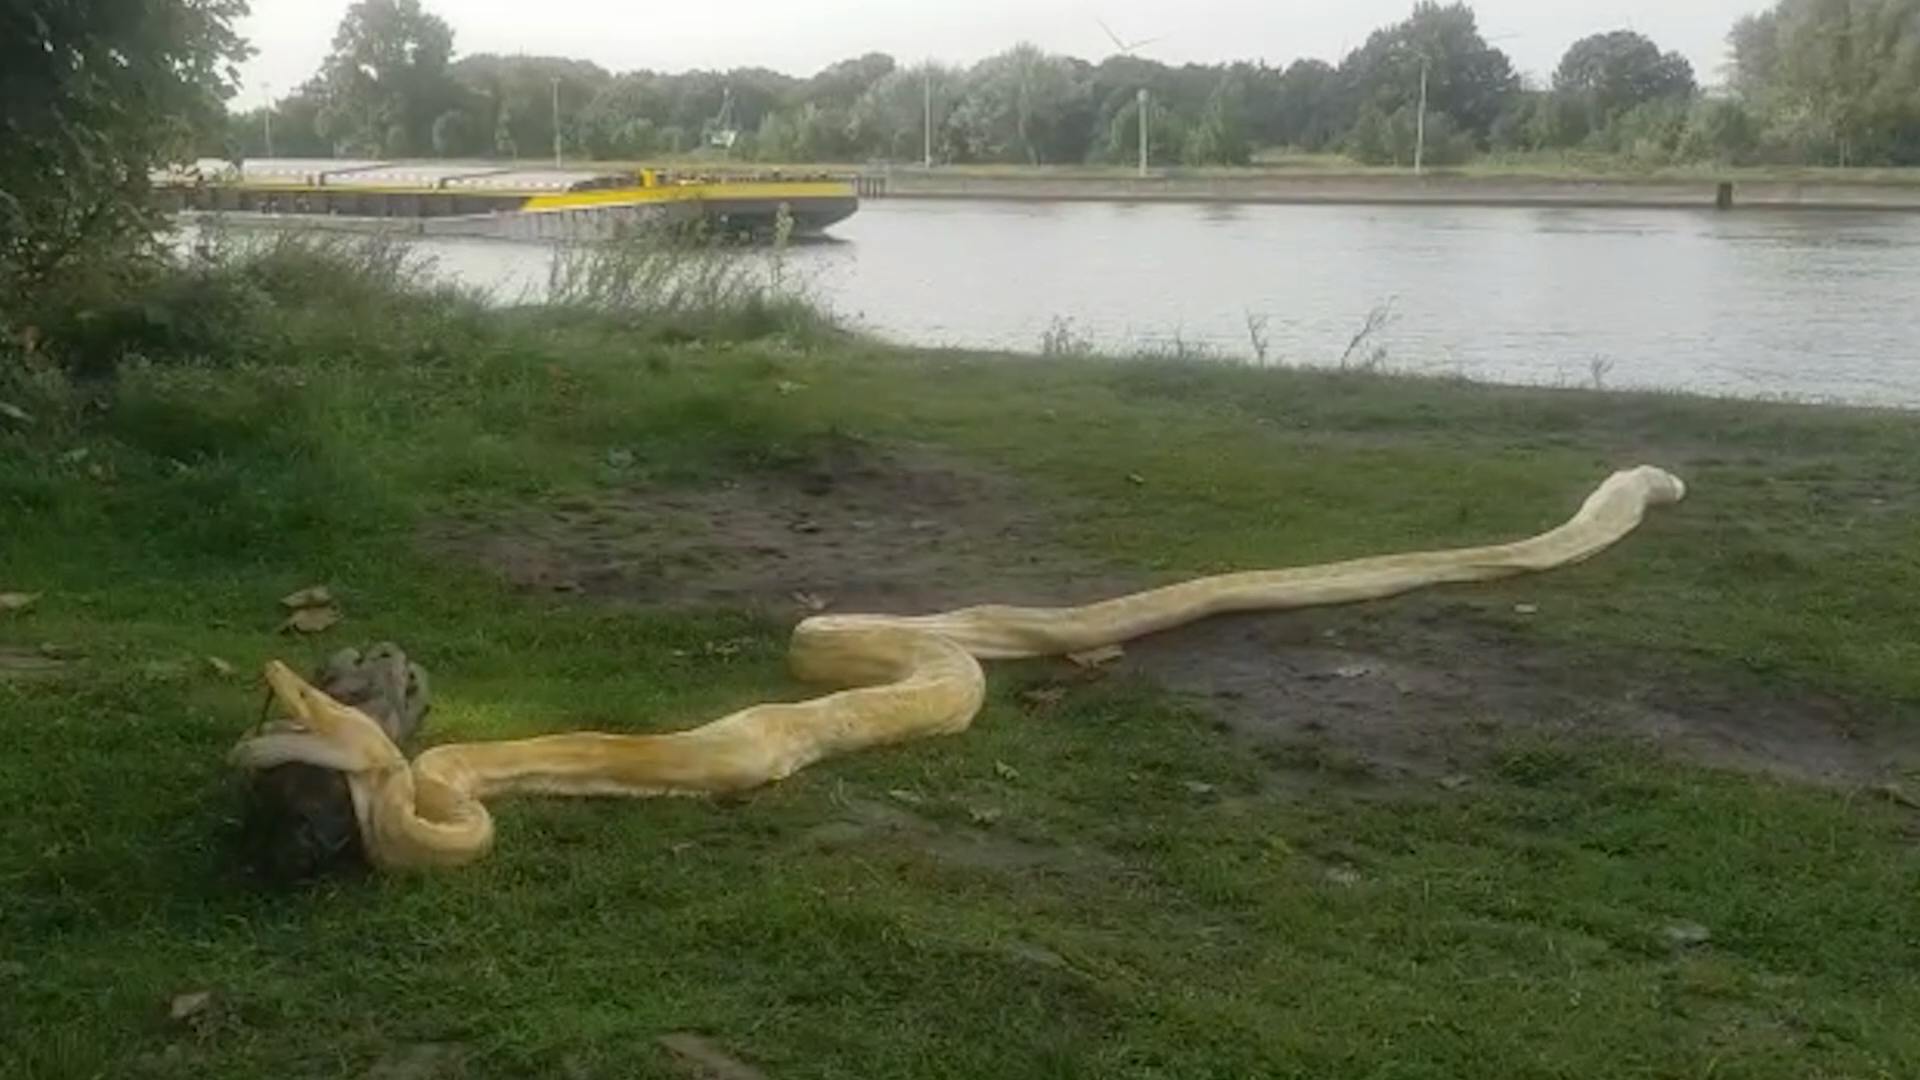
[1688, 934]
[1094, 658]
[1352, 671]
[185, 1007]
[17, 601]
[811, 601]
[1005, 771]
[1526, 609]
[1136, 479]
[985, 816]
[15, 413]
[1456, 781]
[311, 596]
[902, 795]
[1198, 787]
[220, 667]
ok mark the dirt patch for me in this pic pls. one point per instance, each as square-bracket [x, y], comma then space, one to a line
[850, 526]
[1429, 690]
[864, 823]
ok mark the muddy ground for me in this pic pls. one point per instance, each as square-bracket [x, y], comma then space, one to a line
[1418, 689]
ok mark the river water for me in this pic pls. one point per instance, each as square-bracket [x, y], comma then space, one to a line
[1821, 305]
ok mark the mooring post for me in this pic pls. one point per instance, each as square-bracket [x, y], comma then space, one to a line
[1723, 197]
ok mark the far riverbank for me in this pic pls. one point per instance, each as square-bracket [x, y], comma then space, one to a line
[1434, 189]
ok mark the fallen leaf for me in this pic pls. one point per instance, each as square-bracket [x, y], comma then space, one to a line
[185, 1007]
[701, 1057]
[17, 601]
[21, 663]
[785, 387]
[811, 601]
[911, 798]
[1526, 609]
[1198, 787]
[1136, 479]
[1100, 657]
[1688, 934]
[984, 816]
[681, 847]
[220, 667]
[620, 459]
[1005, 771]
[75, 456]
[312, 620]
[1043, 696]
[1897, 794]
[1456, 781]
[15, 413]
[311, 596]
[1344, 876]
[1352, 671]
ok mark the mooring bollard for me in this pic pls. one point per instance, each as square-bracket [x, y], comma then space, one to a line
[1723, 198]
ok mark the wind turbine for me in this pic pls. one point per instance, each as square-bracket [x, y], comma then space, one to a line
[1130, 50]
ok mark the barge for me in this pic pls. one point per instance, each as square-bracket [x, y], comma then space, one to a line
[508, 201]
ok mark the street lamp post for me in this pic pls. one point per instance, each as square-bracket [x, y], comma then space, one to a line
[1144, 105]
[1420, 124]
[556, 123]
[926, 102]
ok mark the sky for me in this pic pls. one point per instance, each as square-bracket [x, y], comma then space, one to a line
[802, 36]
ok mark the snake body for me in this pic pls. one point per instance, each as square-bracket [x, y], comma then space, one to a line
[901, 677]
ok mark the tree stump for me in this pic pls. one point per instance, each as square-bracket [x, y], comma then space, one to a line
[299, 822]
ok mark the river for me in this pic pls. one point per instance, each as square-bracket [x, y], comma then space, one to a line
[1819, 305]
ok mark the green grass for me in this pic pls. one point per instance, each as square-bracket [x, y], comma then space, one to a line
[1111, 922]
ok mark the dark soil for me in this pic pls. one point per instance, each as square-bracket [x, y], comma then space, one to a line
[1426, 688]
[850, 527]
[1431, 688]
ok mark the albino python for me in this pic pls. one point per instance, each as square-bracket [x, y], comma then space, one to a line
[905, 678]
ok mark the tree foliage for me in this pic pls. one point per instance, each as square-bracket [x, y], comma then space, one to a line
[93, 96]
[1834, 80]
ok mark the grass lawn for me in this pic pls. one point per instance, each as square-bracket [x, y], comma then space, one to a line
[1118, 874]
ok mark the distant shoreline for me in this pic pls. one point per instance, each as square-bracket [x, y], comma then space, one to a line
[1389, 190]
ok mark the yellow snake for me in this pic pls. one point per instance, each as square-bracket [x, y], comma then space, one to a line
[905, 678]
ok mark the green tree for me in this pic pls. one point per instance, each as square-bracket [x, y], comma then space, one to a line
[1468, 79]
[1220, 135]
[386, 80]
[1833, 80]
[1019, 106]
[92, 97]
[1609, 74]
[521, 88]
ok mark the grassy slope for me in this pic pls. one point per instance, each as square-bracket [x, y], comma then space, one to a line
[1513, 930]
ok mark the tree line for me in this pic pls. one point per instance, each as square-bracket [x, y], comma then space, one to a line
[1812, 82]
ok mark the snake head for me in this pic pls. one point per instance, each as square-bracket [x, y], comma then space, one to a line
[318, 731]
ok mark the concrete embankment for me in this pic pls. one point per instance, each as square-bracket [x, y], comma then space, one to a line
[1434, 190]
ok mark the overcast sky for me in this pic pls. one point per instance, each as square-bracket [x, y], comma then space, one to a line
[801, 36]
